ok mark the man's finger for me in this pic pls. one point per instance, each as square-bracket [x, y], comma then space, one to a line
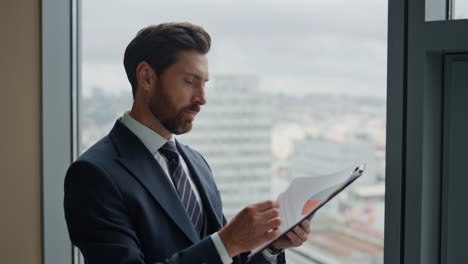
[270, 213]
[263, 206]
[273, 234]
[301, 233]
[272, 223]
[306, 226]
[294, 238]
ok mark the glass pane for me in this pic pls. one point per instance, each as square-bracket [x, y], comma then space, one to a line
[436, 10]
[460, 9]
[297, 88]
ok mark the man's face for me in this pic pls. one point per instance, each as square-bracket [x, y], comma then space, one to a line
[180, 91]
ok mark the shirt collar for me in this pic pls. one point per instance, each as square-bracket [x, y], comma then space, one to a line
[152, 140]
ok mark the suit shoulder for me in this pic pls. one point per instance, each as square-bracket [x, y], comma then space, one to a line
[195, 153]
[102, 151]
[95, 163]
[100, 155]
[191, 150]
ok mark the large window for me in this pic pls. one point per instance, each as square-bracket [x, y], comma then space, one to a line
[297, 89]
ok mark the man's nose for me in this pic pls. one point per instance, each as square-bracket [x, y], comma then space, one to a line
[200, 98]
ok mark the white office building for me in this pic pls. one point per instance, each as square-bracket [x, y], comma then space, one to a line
[233, 133]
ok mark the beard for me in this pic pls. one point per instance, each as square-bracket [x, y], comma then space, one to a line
[172, 119]
[177, 125]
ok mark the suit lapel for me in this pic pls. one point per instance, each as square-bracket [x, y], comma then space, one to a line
[199, 173]
[141, 163]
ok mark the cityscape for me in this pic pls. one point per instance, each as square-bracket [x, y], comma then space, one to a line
[256, 142]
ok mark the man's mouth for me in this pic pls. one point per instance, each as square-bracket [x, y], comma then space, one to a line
[191, 112]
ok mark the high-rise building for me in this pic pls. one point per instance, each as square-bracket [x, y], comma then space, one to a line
[320, 156]
[233, 133]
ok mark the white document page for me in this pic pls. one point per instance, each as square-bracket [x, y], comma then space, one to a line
[305, 195]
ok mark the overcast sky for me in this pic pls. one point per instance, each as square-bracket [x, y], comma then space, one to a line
[294, 46]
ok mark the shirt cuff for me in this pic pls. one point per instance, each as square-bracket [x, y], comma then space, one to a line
[219, 245]
[271, 258]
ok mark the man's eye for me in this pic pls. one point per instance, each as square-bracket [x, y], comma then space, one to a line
[189, 81]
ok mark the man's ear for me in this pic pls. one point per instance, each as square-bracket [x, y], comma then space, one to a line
[145, 75]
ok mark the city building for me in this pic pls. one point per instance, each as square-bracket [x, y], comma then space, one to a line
[233, 132]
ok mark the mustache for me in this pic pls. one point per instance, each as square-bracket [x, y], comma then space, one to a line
[194, 107]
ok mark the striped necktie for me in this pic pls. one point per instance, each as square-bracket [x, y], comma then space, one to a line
[182, 185]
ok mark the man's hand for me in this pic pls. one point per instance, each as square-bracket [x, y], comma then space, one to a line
[251, 227]
[296, 237]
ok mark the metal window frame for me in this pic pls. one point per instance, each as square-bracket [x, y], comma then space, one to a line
[448, 251]
[416, 50]
[59, 82]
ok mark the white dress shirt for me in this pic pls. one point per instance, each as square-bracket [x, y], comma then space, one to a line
[153, 142]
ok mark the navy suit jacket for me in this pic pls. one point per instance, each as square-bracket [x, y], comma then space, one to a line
[121, 208]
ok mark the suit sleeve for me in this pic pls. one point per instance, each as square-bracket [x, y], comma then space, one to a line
[99, 223]
[257, 259]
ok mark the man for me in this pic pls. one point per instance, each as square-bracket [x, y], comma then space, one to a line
[139, 195]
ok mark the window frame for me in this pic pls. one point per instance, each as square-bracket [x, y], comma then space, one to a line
[416, 50]
[59, 82]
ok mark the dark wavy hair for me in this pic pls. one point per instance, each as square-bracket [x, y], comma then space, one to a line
[159, 45]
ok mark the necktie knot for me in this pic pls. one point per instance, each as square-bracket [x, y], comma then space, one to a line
[169, 151]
